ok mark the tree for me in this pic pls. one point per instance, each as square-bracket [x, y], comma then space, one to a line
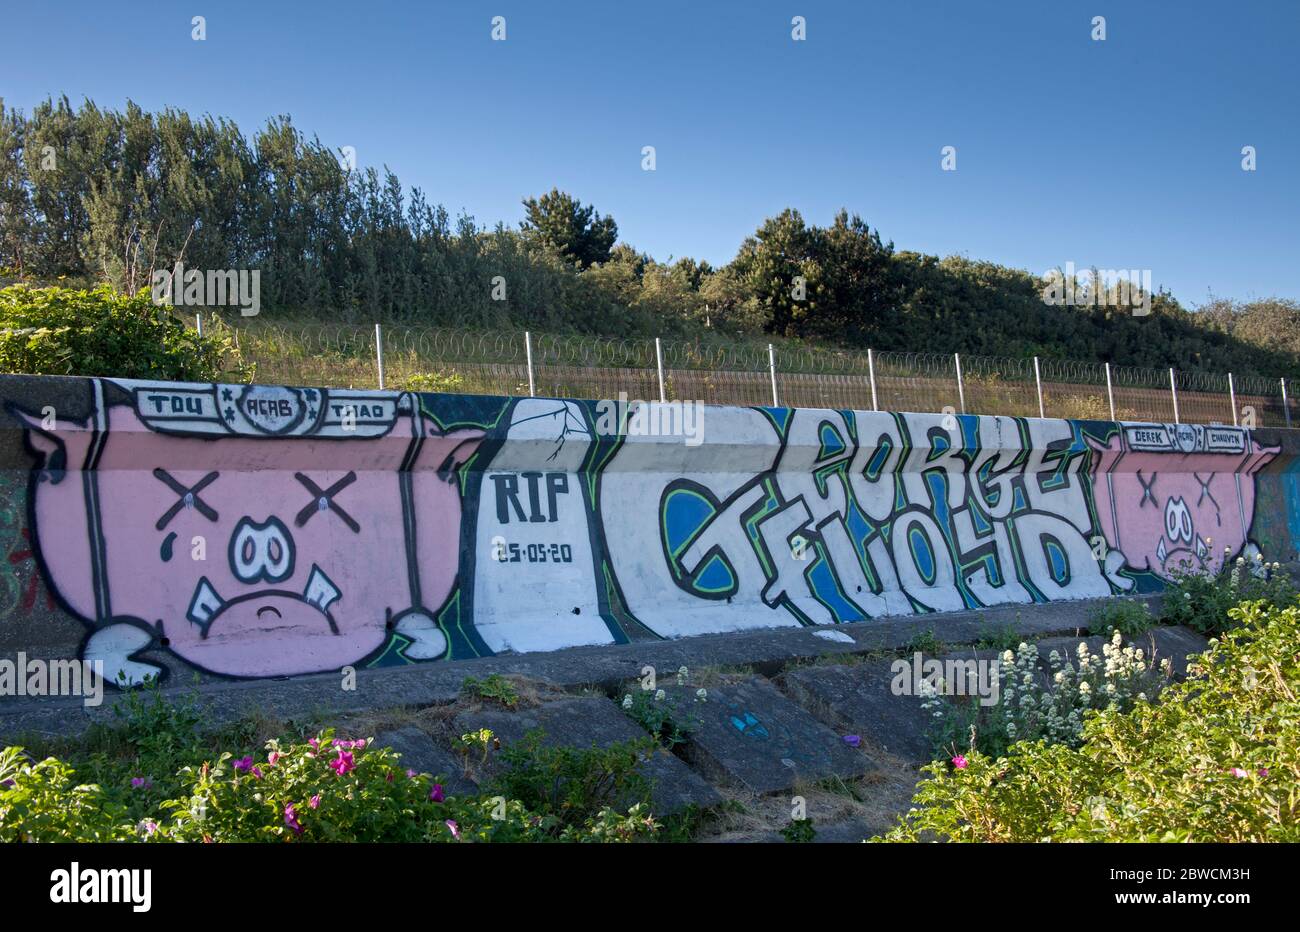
[778, 266]
[574, 230]
[858, 286]
[16, 221]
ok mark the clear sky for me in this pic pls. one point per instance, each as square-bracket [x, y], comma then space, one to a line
[1122, 154]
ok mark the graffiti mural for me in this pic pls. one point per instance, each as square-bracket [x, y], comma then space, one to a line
[1172, 497]
[251, 531]
[260, 531]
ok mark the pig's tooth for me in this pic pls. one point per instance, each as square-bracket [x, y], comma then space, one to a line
[205, 603]
[320, 590]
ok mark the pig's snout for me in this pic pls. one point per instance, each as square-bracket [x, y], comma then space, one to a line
[261, 552]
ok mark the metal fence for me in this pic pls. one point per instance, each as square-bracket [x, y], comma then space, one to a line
[524, 363]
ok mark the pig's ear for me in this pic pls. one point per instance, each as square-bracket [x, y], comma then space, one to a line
[47, 445]
[466, 442]
[1259, 456]
[1105, 454]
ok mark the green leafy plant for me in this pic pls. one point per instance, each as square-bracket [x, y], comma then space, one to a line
[574, 785]
[1216, 758]
[323, 790]
[925, 642]
[494, 688]
[666, 717]
[44, 802]
[135, 757]
[1127, 616]
[1202, 598]
[1003, 636]
[98, 332]
[481, 742]
[799, 831]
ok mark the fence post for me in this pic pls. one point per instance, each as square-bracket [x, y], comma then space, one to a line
[1038, 384]
[528, 349]
[659, 362]
[771, 365]
[871, 372]
[961, 389]
[1232, 395]
[379, 353]
[198, 321]
[1110, 393]
[1286, 408]
[1173, 390]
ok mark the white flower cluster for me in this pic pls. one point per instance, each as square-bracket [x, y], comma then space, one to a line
[1031, 706]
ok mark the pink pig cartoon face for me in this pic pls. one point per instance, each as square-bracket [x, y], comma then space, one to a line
[1172, 498]
[252, 530]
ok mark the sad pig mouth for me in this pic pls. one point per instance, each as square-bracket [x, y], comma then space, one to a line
[280, 607]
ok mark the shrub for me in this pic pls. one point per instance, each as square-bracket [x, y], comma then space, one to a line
[1217, 758]
[574, 785]
[319, 790]
[1029, 709]
[1203, 599]
[323, 790]
[43, 802]
[1127, 616]
[330, 790]
[98, 332]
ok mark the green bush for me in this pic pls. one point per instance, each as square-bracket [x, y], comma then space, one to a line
[493, 688]
[1127, 616]
[98, 332]
[322, 789]
[44, 802]
[570, 786]
[1217, 758]
[1203, 600]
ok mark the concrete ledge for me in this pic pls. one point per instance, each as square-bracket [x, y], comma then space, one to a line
[767, 651]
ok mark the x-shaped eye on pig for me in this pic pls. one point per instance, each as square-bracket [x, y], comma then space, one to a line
[323, 500]
[1148, 489]
[1205, 490]
[186, 497]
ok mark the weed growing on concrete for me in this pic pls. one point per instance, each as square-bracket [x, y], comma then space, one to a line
[1127, 616]
[493, 688]
[668, 718]
[574, 784]
[482, 742]
[799, 831]
[925, 642]
[998, 637]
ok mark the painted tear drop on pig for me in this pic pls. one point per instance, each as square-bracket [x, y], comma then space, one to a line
[253, 531]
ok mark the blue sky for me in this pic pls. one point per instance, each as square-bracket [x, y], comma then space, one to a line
[1123, 153]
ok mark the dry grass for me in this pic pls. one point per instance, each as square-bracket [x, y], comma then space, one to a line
[871, 804]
